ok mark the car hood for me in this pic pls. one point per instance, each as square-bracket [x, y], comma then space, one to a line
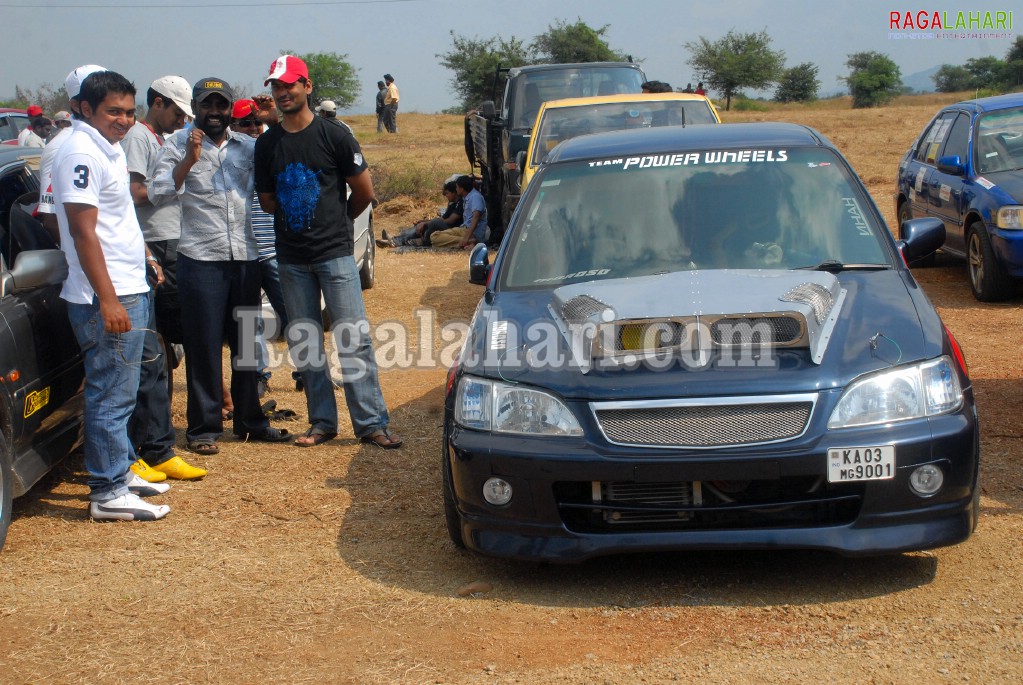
[1009, 182]
[876, 319]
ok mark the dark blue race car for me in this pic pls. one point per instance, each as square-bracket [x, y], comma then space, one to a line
[966, 169]
[706, 338]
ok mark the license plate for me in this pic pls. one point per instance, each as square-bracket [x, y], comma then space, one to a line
[847, 464]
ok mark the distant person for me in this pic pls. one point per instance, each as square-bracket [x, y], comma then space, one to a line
[327, 110]
[38, 132]
[474, 220]
[700, 90]
[33, 112]
[391, 105]
[381, 94]
[419, 234]
[61, 120]
[655, 87]
[688, 88]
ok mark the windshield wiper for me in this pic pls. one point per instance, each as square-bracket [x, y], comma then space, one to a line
[834, 266]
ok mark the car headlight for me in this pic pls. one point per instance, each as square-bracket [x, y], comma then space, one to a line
[909, 392]
[1010, 216]
[507, 408]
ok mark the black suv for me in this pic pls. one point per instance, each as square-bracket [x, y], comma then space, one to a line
[41, 373]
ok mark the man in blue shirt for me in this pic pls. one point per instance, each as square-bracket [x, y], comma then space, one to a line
[474, 230]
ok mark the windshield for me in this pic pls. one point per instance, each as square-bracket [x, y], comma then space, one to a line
[538, 87]
[562, 123]
[999, 142]
[735, 209]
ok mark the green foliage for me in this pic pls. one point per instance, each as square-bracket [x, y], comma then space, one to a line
[474, 63]
[416, 179]
[566, 43]
[744, 104]
[985, 72]
[51, 99]
[951, 79]
[988, 74]
[874, 79]
[333, 78]
[736, 61]
[798, 84]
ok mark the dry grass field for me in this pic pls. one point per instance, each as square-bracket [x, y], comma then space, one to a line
[331, 565]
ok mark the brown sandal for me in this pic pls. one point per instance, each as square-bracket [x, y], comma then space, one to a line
[383, 438]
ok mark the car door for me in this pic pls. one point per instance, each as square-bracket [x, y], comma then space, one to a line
[949, 193]
[925, 157]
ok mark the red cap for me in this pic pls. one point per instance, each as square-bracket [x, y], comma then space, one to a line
[243, 108]
[35, 111]
[287, 68]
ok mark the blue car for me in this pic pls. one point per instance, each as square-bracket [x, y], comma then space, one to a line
[966, 169]
[706, 338]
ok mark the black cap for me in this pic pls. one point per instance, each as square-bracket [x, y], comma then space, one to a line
[205, 87]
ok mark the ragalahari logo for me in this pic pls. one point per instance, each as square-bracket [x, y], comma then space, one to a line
[943, 24]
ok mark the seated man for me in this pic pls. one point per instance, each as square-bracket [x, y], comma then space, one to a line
[419, 235]
[474, 221]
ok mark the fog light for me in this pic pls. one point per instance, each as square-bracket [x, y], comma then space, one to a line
[497, 492]
[926, 480]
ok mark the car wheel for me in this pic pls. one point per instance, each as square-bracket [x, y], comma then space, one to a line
[905, 214]
[5, 495]
[368, 271]
[988, 279]
[452, 518]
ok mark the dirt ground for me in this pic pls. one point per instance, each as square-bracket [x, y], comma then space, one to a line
[331, 565]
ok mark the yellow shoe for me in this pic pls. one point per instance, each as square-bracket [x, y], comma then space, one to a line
[178, 468]
[147, 472]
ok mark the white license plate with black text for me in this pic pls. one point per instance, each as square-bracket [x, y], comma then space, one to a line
[847, 464]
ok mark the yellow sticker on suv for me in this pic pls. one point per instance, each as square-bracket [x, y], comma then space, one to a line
[36, 400]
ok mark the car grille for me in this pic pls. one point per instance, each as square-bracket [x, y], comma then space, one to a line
[763, 330]
[703, 425]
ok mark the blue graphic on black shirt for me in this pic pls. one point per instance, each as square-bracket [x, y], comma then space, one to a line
[298, 192]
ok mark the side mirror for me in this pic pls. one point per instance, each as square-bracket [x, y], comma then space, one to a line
[479, 268]
[33, 269]
[922, 237]
[952, 165]
[520, 160]
[488, 110]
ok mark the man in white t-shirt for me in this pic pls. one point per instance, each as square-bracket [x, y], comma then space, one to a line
[33, 111]
[106, 291]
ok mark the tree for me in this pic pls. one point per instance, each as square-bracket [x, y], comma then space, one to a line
[736, 61]
[951, 79]
[985, 72]
[563, 42]
[46, 96]
[874, 79]
[474, 63]
[1013, 73]
[798, 84]
[332, 76]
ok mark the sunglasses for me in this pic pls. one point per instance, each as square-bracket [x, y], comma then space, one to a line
[246, 123]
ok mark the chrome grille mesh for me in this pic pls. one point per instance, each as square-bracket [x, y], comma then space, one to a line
[815, 296]
[582, 307]
[705, 426]
[765, 330]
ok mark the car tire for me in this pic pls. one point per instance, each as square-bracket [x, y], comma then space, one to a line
[6, 497]
[988, 279]
[452, 519]
[367, 274]
[905, 214]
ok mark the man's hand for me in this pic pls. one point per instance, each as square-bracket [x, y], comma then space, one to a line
[115, 316]
[267, 110]
[193, 149]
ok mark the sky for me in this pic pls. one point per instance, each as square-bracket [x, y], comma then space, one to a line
[237, 41]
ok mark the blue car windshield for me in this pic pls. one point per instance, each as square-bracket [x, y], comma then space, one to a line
[714, 209]
[998, 144]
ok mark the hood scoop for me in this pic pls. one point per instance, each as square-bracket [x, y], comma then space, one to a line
[621, 321]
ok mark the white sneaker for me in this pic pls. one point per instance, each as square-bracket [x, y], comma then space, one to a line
[127, 508]
[144, 488]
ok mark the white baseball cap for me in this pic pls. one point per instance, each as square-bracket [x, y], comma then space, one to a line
[177, 89]
[327, 106]
[73, 82]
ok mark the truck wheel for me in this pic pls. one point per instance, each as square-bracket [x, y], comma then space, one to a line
[905, 214]
[452, 519]
[5, 494]
[988, 279]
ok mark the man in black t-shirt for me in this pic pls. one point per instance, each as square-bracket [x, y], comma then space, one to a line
[304, 166]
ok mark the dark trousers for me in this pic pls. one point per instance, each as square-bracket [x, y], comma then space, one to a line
[210, 293]
[150, 429]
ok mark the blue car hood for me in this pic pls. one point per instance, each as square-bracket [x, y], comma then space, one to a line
[1009, 182]
[884, 320]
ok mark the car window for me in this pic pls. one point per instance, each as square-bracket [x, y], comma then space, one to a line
[555, 84]
[927, 150]
[563, 123]
[640, 216]
[957, 141]
[998, 144]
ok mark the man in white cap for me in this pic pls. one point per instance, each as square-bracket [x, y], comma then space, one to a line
[152, 432]
[46, 210]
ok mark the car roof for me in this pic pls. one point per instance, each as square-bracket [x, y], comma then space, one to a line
[621, 97]
[11, 153]
[673, 139]
[12, 110]
[991, 103]
[572, 65]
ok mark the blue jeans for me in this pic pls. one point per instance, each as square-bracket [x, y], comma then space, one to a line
[150, 427]
[338, 281]
[112, 362]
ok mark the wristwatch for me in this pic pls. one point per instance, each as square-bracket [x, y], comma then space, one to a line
[153, 259]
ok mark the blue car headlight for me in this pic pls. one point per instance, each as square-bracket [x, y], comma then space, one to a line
[909, 392]
[508, 408]
[1010, 216]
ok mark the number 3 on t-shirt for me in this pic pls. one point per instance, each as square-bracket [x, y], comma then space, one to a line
[83, 177]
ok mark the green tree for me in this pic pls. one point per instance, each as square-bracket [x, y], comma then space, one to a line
[474, 63]
[874, 79]
[563, 42]
[985, 72]
[332, 76]
[798, 84]
[736, 61]
[1013, 73]
[51, 99]
[951, 79]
